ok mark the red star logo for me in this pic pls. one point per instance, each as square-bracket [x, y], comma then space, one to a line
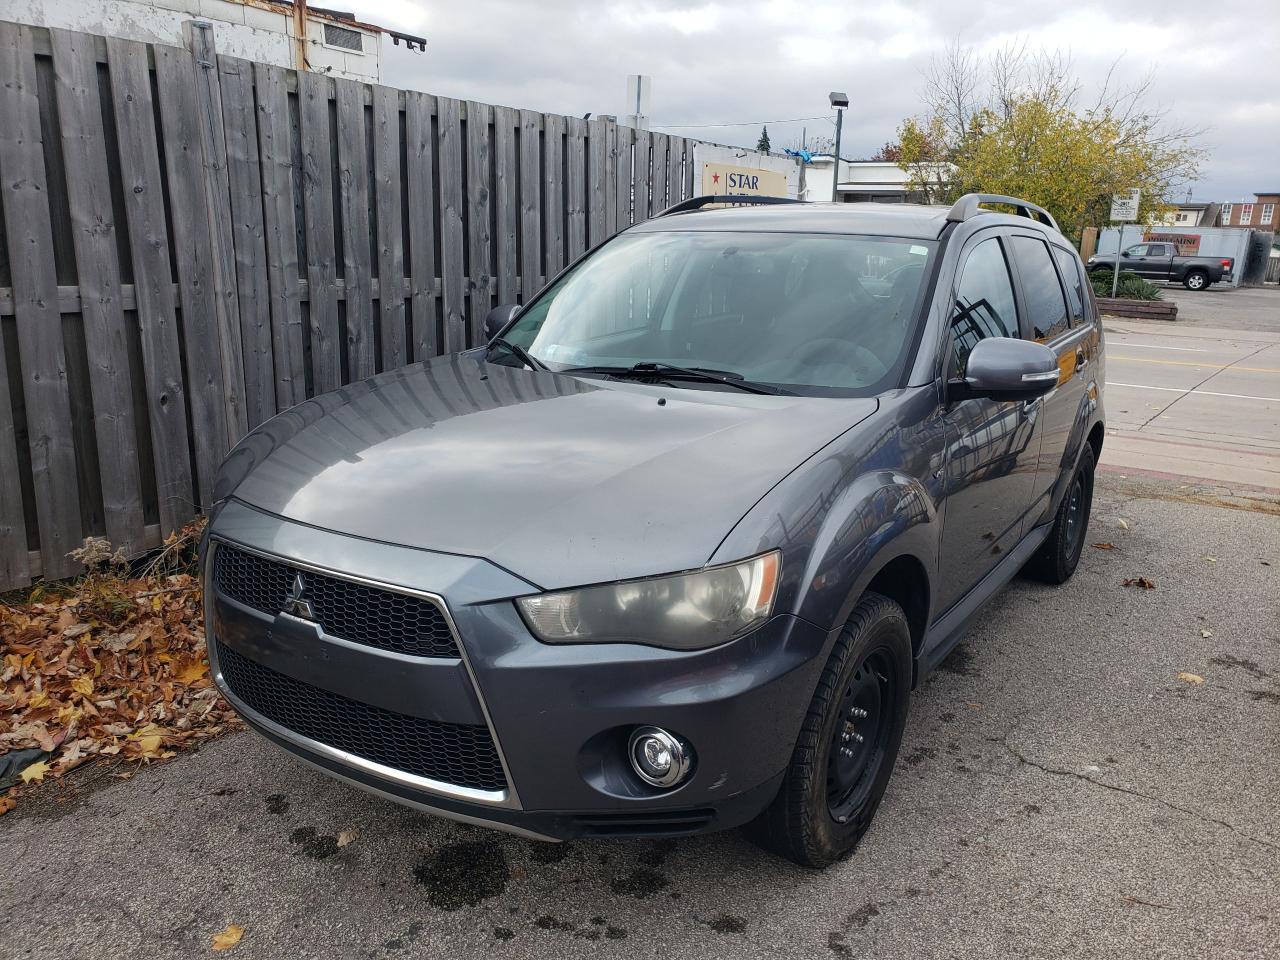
[715, 178]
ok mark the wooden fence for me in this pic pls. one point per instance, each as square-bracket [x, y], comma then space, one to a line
[190, 243]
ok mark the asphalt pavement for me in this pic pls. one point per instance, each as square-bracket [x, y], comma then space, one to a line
[1093, 773]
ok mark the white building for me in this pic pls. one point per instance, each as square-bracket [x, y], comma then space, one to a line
[860, 180]
[288, 33]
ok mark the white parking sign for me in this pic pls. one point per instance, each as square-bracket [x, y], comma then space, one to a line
[1124, 206]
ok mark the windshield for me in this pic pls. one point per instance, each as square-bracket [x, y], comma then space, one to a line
[810, 313]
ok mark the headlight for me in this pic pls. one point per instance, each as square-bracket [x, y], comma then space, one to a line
[688, 611]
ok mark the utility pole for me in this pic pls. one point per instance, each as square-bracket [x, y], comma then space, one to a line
[840, 101]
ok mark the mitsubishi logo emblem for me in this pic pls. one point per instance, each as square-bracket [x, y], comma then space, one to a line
[296, 603]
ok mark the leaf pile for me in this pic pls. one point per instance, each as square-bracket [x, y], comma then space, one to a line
[112, 665]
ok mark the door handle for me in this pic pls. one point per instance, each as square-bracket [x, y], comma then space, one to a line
[1081, 360]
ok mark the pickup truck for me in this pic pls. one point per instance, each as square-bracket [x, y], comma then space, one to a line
[1159, 261]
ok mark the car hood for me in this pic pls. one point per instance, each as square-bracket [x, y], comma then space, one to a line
[561, 480]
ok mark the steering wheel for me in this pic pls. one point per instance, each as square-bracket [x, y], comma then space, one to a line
[865, 365]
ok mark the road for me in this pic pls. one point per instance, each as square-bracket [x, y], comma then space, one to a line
[1060, 793]
[1199, 398]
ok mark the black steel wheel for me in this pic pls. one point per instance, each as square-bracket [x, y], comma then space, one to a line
[848, 742]
[1058, 556]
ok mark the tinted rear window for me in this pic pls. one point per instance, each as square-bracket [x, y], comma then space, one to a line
[1040, 288]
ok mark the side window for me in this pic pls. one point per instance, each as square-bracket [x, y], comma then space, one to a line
[984, 301]
[1138, 250]
[1070, 268]
[1040, 288]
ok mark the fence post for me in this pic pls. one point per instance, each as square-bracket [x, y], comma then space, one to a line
[217, 193]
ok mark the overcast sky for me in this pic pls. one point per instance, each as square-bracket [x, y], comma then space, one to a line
[1217, 64]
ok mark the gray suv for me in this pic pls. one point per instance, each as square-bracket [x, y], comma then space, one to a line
[670, 551]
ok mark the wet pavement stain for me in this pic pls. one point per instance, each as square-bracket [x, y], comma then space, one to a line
[278, 804]
[1238, 663]
[919, 756]
[615, 933]
[463, 874]
[548, 922]
[503, 933]
[1264, 696]
[657, 852]
[726, 923]
[548, 852]
[314, 845]
[639, 884]
[960, 662]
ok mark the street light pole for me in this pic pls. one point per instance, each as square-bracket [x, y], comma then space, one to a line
[839, 101]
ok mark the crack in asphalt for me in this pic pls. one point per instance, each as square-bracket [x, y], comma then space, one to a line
[1196, 814]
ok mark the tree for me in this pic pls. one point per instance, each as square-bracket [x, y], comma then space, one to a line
[763, 143]
[1018, 123]
[890, 153]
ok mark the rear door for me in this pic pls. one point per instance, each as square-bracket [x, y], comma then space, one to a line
[1054, 314]
[992, 445]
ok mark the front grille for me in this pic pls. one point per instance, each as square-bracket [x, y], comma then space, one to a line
[352, 611]
[455, 753]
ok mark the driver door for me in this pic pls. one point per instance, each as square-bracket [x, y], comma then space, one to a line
[992, 445]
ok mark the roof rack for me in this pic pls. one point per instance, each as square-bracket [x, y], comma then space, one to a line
[697, 203]
[970, 205]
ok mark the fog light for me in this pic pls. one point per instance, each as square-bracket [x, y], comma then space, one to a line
[658, 757]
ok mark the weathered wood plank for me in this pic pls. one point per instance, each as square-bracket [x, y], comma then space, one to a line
[217, 204]
[153, 286]
[93, 235]
[275, 143]
[245, 179]
[576, 187]
[675, 170]
[452, 254]
[658, 175]
[622, 177]
[192, 235]
[357, 257]
[530, 204]
[419, 180]
[386, 172]
[610, 185]
[317, 208]
[597, 181]
[642, 175]
[479, 225]
[506, 203]
[553, 190]
[15, 565]
[29, 233]
[690, 174]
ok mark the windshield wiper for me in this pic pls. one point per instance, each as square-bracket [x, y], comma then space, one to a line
[519, 352]
[656, 368]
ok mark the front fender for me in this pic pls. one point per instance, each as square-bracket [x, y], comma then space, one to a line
[863, 501]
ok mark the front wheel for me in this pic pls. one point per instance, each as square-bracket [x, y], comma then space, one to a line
[1196, 280]
[1058, 556]
[848, 744]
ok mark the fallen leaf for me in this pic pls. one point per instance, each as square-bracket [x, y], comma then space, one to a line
[1211, 559]
[228, 938]
[35, 772]
[1143, 582]
[193, 672]
[1124, 524]
[1191, 678]
[7, 804]
[83, 686]
[1206, 633]
[76, 629]
[1105, 546]
[348, 836]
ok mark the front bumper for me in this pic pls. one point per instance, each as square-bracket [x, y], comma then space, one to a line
[558, 715]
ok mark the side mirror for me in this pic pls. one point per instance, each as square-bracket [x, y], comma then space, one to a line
[1005, 368]
[498, 318]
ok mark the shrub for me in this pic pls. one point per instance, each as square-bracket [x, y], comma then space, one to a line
[1130, 287]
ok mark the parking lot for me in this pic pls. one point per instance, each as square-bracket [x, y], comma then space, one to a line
[1092, 773]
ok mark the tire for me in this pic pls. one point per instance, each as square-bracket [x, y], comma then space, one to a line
[1058, 556]
[1196, 280]
[838, 773]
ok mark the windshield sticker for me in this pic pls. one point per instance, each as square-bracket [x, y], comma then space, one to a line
[918, 251]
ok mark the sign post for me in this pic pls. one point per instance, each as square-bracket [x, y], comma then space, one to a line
[1124, 209]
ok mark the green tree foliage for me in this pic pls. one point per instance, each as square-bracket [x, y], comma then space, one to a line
[763, 143]
[1018, 124]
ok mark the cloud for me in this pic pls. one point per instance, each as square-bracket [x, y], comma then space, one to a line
[757, 60]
